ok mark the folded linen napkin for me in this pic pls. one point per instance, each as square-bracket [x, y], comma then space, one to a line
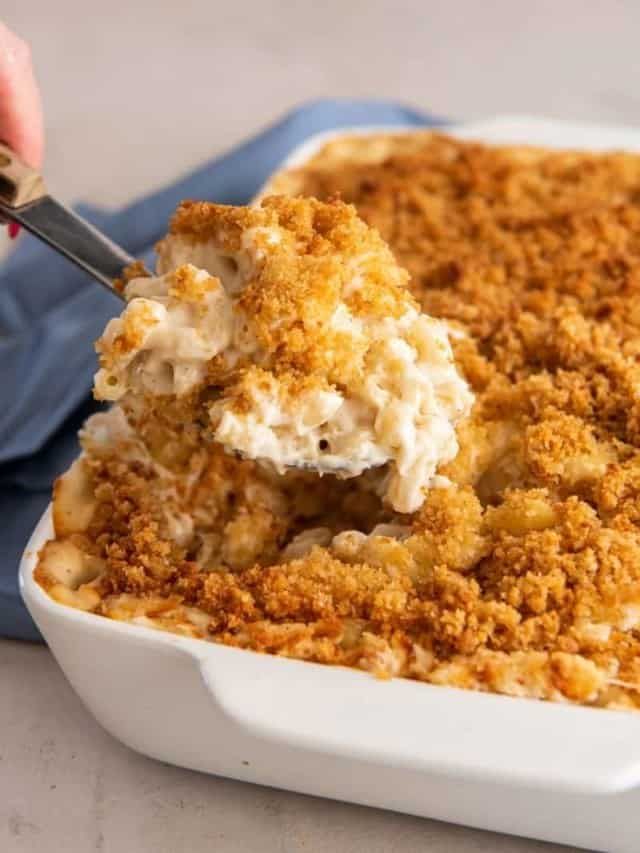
[51, 313]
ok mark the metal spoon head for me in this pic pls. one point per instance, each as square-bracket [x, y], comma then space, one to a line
[321, 466]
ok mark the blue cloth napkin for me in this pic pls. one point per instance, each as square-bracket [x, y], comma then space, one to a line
[51, 313]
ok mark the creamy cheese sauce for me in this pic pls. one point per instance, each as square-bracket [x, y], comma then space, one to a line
[163, 341]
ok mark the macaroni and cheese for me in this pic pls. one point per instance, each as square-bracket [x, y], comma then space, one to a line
[522, 574]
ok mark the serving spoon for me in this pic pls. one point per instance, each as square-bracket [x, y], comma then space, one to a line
[24, 199]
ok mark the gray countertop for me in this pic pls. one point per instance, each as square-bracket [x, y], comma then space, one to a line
[135, 94]
[66, 785]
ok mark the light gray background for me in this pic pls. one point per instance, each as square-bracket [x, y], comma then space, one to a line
[137, 93]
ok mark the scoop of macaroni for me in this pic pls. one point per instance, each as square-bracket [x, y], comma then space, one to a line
[289, 331]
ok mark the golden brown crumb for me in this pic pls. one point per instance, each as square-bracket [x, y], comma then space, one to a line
[133, 270]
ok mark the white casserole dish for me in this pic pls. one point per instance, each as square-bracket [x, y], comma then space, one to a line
[559, 773]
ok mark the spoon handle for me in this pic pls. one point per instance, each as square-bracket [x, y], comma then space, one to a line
[24, 199]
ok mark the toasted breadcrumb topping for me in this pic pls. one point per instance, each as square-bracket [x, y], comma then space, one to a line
[136, 269]
[520, 577]
[298, 343]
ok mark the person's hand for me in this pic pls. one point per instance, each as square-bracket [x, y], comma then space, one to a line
[21, 125]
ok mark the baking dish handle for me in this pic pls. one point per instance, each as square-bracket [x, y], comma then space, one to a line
[342, 712]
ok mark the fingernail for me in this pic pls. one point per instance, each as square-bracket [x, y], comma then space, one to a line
[14, 230]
